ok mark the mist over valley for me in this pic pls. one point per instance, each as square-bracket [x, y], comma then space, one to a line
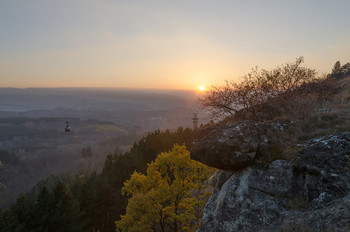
[34, 145]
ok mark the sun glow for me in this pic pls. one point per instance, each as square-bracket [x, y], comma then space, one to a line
[202, 88]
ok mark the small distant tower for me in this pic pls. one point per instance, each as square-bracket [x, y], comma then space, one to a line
[195, 121]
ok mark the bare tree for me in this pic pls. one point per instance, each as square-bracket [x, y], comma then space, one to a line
[264, 94]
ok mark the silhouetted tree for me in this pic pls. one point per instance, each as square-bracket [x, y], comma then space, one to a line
[340, 71]
[264, 94]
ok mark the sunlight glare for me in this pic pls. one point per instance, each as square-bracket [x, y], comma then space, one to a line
[202, 88]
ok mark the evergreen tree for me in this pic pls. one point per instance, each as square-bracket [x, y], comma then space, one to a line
[44, 211]
[337, 67]
[89, 203]
[99, 195]
[19, 217]
[340, 71]
[65, 212]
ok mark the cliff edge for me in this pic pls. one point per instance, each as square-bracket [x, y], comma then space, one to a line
[308, 193]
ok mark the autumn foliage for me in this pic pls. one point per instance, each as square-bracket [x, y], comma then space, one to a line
[170, 197]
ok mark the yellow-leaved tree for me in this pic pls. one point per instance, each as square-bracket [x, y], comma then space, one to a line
[170, 197]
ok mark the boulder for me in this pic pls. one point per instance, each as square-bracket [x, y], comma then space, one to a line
[233, 145]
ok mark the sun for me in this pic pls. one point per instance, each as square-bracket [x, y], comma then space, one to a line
[202, 88]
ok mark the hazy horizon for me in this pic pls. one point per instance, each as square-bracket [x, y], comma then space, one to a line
[106, 88]
[25, 99]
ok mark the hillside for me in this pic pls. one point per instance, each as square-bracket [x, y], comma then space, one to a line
[280, 175]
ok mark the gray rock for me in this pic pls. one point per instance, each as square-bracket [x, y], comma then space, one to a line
[233, 145]
[313, 191]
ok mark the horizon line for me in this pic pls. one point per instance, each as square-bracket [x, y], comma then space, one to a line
[120, 88]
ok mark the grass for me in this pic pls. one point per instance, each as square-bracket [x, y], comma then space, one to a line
[332, 121]
[325, 123]
[315, 123]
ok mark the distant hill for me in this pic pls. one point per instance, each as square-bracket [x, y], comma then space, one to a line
[146, 110]
[19, 100]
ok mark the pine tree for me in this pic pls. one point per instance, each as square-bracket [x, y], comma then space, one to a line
[337, 67]
[44, 211]
[19, 217]
[65, 212]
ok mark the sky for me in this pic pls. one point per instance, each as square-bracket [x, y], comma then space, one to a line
[162, 44]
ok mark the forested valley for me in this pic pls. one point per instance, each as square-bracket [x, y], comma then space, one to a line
[52, 180]
[35, 148]
[89, 202]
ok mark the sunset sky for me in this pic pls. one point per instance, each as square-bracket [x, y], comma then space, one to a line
[164, 44]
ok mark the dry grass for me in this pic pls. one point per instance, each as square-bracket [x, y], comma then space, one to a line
[330, 118]
[324, 124]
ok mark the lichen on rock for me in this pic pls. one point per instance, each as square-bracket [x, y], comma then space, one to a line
[311, 191]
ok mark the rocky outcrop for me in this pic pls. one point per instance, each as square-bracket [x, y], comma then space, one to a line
[310, 193]
[233, 145]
